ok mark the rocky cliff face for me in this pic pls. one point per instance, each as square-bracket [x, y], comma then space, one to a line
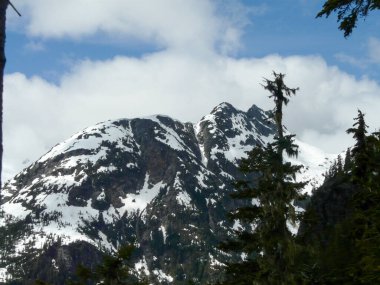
[155, 181]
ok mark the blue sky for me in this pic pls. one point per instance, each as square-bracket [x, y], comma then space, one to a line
[286, 27]
[70, 65]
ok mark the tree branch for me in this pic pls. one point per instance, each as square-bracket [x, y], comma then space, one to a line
[14, 8]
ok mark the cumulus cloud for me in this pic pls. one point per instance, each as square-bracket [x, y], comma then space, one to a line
[177, 24]
[41, 114]
[189, 76]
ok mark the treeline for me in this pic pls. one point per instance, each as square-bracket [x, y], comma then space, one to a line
[339, 234]
[114, 269]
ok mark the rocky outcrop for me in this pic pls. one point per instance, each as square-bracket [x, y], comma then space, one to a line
[156, 182]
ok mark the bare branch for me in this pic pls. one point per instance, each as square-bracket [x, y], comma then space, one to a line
[14, 8]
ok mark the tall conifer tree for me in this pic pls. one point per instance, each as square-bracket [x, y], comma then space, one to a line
[364, 224]
[346, 251]
[267, 244]
[360, 150]
[114, 270]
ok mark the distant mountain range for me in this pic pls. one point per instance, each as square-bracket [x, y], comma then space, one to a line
[157, 182]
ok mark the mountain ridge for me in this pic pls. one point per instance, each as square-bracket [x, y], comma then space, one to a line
[154, 181]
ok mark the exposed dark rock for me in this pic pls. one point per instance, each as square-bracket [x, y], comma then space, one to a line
[159, 183]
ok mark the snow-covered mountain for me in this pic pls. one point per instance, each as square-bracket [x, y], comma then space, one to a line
[154, 181]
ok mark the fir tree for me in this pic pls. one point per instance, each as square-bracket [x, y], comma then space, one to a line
[347, 251]
[114, 270]
[347, 161]
[335, 169]
[365, 221]
[349, 11]
[280, 93]
[339, 165]
[360, 150]
[269, 248]
[40, 282]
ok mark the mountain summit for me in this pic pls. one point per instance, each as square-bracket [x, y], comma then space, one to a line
[159, 183]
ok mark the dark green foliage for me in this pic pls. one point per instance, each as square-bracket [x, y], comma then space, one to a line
[342, 231]
[360, 151]
[13, 230]
[347, 161]
[349, 11]
[40, 282]
[365, 221]
[54, 263]
[339, 164]
[336, 168]
[114, 270]
[270, 248]
[280, 93]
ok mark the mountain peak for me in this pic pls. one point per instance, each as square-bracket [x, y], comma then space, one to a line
[224, 107]
[155, 181]
[256, 111]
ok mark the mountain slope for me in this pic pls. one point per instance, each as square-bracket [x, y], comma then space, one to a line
[154, 181]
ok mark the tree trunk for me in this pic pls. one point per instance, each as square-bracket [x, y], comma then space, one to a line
[3, 11]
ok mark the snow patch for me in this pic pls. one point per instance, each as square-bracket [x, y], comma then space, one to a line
[315, 163]
[138, 202]
[184, 199]
[92, 141]
[104, 169]
[15, 209]
[4, 275]
[163, 230]
[162, 277]
[293, 227]
[54, 264]
[237, 226]
[142, 267]
[101, 196]
[197, 129]
[171, 137]
[214, 262]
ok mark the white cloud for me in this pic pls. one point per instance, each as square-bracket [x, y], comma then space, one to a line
[185, 80]
[176, 24]
[39, 114]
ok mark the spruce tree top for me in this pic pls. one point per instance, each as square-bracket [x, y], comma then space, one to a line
[280, 93]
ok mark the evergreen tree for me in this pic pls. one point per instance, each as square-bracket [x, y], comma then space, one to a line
[268, 246]
[347, 251]
[280, 93]
[339, 164]
[365, 221]
[347, 161]
[360, 150]
[335, 169]
[349, 11]
[40, 282]
[114, 270]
